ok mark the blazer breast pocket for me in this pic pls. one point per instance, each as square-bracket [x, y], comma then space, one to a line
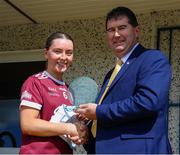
[137, 136]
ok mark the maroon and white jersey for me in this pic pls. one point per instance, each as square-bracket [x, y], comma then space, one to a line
[44, 93]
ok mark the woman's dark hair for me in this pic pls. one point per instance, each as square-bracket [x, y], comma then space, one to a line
[122, 11]
[57, 35]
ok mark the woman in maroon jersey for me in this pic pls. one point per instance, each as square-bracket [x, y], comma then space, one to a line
[41, 95]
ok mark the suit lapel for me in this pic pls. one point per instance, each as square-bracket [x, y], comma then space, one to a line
[122, 71]
[137, 51]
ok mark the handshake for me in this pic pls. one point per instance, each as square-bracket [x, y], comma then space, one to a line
[65, 114]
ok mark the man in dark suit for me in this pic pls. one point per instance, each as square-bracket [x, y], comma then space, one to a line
[132, 114]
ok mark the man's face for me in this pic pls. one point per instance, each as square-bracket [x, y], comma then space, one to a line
[122, 36]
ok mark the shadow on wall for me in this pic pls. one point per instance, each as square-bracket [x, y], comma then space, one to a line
[10, 133]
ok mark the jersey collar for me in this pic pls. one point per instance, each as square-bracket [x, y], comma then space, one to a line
[52, 78]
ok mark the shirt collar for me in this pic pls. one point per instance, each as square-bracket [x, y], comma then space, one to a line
[124, 58]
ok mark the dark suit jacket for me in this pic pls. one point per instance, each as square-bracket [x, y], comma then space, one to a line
[133, 115]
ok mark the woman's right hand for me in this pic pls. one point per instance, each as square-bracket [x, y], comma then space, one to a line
[80, 133]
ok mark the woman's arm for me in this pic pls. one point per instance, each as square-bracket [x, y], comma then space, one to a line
[31, 124]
